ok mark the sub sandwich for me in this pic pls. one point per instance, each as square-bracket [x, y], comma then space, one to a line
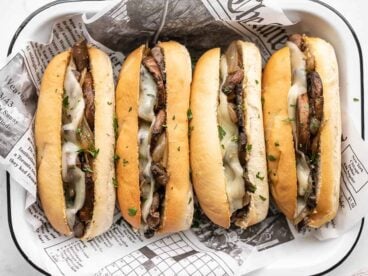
[152, 99]
[227, 149]
[303, 130]
[75, 142]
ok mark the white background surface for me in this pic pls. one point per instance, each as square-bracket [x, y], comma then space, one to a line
[13, 12]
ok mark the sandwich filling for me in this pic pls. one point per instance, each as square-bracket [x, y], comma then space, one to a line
[152, 139]
[78, 150]
[305, 111]
[232, 133]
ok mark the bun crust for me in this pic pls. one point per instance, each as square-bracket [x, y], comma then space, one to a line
[276, 84]
[127, 99]
[206, 159]
[104, 171]
[48, 143]
[330, 145]
[178, 203]
[278, 131]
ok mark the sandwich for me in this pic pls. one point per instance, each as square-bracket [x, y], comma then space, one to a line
[227, 149]
[152, 150]
[74, 137]
[302, 124]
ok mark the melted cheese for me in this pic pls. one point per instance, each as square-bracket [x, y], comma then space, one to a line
[299, 87]
[73, 114]
[147, 100]
[235, 186]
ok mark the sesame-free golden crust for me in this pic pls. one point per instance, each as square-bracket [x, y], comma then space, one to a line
[103, 164]
[178, 203]
[278, 132]
[48, 143]
[205, 153]
[127, 168]
[330, 141]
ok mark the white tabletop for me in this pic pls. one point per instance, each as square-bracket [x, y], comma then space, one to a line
[13, 12]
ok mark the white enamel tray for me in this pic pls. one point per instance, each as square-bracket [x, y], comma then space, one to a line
[311, 257]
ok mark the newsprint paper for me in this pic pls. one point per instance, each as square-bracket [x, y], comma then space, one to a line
[205, 249]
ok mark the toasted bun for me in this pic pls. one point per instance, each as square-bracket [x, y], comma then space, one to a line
[127, 96]
[104, 171]
[206, 160]
[178, 203]
[48, 144]
[276, 85]
[330, 143]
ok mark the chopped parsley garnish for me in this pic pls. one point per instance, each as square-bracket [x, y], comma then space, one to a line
[287, 120]
[234, 138]
[150, 95]
[130, 109]
[249, 147]
[262, 100]
[132, 212]
[125, 162]
[257, 82]
[262, 197]
[66, 102]
[173, 117]
[114, 182]
[355, 99]
[94, 152]
[258, 175]
[87, 169]
[116, 126]
[271, 157]
[189, 114]
[190, 200]
[116, 157]
[221, 132]
[277, 144]
[222, 145]
[109, 103]
[251, 188]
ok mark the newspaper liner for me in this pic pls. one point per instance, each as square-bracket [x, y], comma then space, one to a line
[205, 248]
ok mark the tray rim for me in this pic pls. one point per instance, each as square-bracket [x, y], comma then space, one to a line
[58, 2]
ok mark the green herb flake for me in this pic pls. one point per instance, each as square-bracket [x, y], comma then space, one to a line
[87, 169]
[150, 95]
[132, 212]
[114, 182]
[257, 82]
[130, 109]
[249, 147]
[190, 200]
[277, 144]
[66, 102]
[109, 103]
[355, 99]
[262, 100]
[270, 157]
[258, 175]
[116, 157]
[262, 197]
[173, 117]
[178, 148]
[125, 162]
[222, 145]
[116, 126]
[221, 132]
[288, 120]
[251, 188]
[234, 138]
[189, 114]
[94, 152]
